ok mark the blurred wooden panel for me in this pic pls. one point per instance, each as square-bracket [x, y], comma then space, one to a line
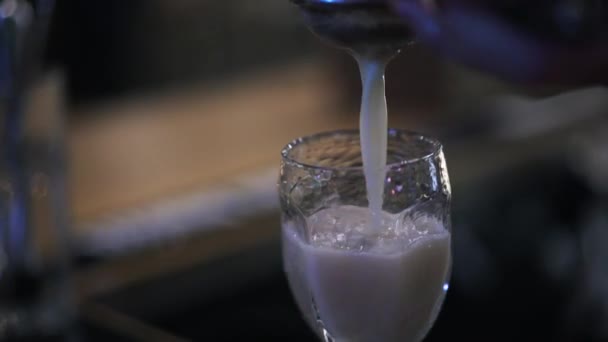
[130, 153]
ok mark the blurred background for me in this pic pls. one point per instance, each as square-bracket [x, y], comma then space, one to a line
[177, 111]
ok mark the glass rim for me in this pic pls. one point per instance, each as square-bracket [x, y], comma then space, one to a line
[435, 149]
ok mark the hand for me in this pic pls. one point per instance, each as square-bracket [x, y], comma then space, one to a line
[470, 32]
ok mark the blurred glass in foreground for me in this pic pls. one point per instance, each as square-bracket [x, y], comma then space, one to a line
[34, 303]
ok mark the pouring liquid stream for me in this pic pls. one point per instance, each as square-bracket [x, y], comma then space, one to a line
[373, 34]
[374, 130]
[356, 275]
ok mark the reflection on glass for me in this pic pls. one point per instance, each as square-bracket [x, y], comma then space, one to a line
[351, 280]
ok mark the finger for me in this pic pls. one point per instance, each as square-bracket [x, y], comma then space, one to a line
[421, 17]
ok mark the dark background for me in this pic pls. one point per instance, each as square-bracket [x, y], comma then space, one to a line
[530, 260]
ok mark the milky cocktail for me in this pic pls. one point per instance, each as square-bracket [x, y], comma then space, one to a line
[358, 276]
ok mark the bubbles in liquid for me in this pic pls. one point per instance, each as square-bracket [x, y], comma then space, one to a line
[349, 228]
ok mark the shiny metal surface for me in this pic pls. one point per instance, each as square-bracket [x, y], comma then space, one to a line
[362, 26]
[339, 2]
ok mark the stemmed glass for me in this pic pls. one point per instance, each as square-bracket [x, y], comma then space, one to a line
[351, 281]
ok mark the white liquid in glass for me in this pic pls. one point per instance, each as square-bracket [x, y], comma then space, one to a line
[362, 274]
[364, 284]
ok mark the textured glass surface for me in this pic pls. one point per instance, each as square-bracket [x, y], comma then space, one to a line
[324, 172]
